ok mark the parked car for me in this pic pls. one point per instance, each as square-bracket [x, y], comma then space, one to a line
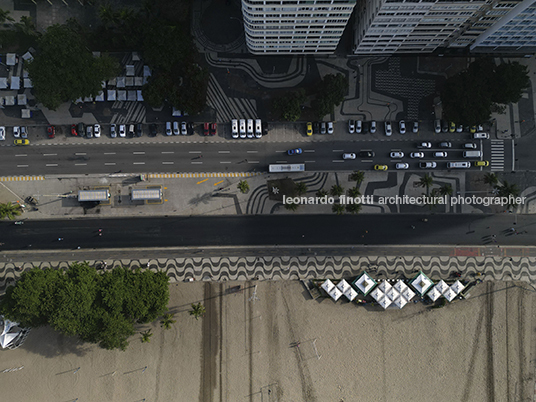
[415, 127]
[113, 132]
[459, 129]
[445, 126]
[469, 145]
[2, 133]
[309, 129]
[139, 130]
[243, 133]
[184, 129]
[122, 131]
[402, 127]
[295, 151]
[445, 145]
[452, 127]
[482, 163]
[21, 142]
[426, 145]
[234, 128]
[190, 128]
[437, 126]
[427, 165]
[206, 129]
[213, 128]
[176, 130]
[73, 130]
[16, 131]
[323, 127]
[23, 132]
[316, 128]
[153, 130]
[372, 127]
[89, 131]
[366, 154]
[417, 154]
[402, 166]
[250, 132]
[358, 126]
[480, 136]
[349, 155]
[81, 129]
[396, 155]
[440, 154]
[380, 167]
[131, 130]
[96, 130]
[388, 129]
[51, 131]
[330, 127]
[472, 130]
[258, 128]
[351, 126]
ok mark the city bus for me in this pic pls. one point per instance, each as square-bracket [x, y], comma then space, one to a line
[294, 167]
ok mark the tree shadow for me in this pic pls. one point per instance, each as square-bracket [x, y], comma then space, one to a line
[49, 343]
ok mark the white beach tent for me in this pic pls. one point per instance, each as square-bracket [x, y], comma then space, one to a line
[364, 283]
[327, 285]
[421, 283]
[434, 294]
[347, 290]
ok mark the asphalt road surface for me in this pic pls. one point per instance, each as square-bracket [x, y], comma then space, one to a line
[294, 230]
[133, 156]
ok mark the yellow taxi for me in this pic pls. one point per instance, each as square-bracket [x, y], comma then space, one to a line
[380, 167]
[309, 129]
[481, 163]
[472, 130]
[452, 127]
[22, 142]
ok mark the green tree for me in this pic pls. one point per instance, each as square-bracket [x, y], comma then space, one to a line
[10, 210]
[426, 182]
[353, 208]
[338, 209]
[358, 176]
[333, 88]
[167, 320]
[301, 188]
[445, 189]
[289, 105]
[291, 206]
[4, 16]
[198, 310]
[354, 192]
[506, 190]
[321, 193]
[509, 82]
[26, 26]
[146, 336]
[491, 179]
[243, 186]
[64, 69]
[336, 190]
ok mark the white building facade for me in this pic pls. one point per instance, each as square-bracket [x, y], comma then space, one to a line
[295, 26]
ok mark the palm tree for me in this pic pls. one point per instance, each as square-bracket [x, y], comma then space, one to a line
[167, 320]
[10, 210]
[358, 176]
[336, 190]
[301, 188]
[291, 206]
[426, 181]
[507, 189]
[146, 336]
[445, 189]
[107, 15]
[26, 26]
[243, 186]
[354, 192]
[198, 310]
[4, 16]
[321, 193]
[491, 179]
[353, 208]
[338, 209]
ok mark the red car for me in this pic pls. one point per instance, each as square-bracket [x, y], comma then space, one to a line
[51, 131]
[206, 128]
[73, 130]
[213, 129]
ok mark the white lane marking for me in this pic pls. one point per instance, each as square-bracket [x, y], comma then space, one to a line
[21, 166]
[309, 150]
[168, 163]
[194, 152]
[138, 163]
[225, 162]
[138, 153]
[80, 164]
[280, 161]
[255, 152]
[168, 152]
[253, 162]
[50, 154]
[22, 155]
[80, 153]
[310, 161]
[109, 153]
[337, 161]
[51, 164]
[338, 150]
[197, 163]
[224, 152]
[109, 164]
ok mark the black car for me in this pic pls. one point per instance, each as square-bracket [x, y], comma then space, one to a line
[445, 126]
[81, 129]
[323, 128]
[366, 154]
[152, 130]
[190, 128]
[316, 128]
[139, 130]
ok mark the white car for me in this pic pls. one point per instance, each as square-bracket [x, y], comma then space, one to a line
[372, 127]
[358, 126]
[427, 145]
[234, 128]
[16, 132]
[417, 154]
[396, 155]
[351, 126]
[176, 130]
[2, 133]
[388, 129]
[23, 132]
[122, 131]
[184, 129]
[481, 136]
[440, 154]
[401, 166]
[113, 132]
[469, 145]
[402, 127]
[250, 128]
[96, 130]
[415, 126]
[427, 165]
[348, 156]
[330, 127]
[437, 126]
[242, 128]
[169, 131]
[258, 128]
[459, 129]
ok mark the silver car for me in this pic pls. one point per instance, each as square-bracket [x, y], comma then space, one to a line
[113, 132]
[330, 127]
[388, 128]
[417, 154]
[440, 154]
[402, 166]
[396, 155]
[351, 126]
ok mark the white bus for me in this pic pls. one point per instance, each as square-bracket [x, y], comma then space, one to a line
[295, 167]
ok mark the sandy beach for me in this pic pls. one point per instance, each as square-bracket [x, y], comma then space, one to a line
[244, 349]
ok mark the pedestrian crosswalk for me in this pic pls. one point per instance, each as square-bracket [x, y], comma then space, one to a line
[21, 178]
[229, 108]
[497, 156]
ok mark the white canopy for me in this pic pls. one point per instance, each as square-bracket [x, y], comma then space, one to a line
[449, 294]
[350, 294]
[131, 96]
[11, 59]
[347, 290]
[25, 113]
[408, 294]
[146, 71]
[121, 95]
[364, 283]
[434, 294]
[400, 285]
[21, 99]
[88, 99]
[100, 97]
[384, 286]
[15, 82]
[457, 287]
[138, 81]
[327, 285]
[384, 302]
[335, 293]
[139, 95]
[3, 82]
[9, 332]
[441, 286]
[343, 286]
[27, 56]
[377, 294]
[112, 82]
[111, 95]
[120, 82]
[421, 283]
[392, 293]
[129, 68]
[400, 302]
[103, 84]
[28, 83]
[10, 100]
[129, 81]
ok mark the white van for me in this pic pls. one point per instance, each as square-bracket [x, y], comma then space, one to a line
[258, 128]
[480, 136]
[472, 154]
[234, 128]
[250, 128]
[458, 165]
[242, 128]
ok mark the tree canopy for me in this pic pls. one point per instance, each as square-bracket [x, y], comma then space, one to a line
[470, 97]
[289, 105]
[64, 69]
[331, 93]
[97, 307]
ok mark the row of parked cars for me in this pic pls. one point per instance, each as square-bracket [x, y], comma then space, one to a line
[246, 128]
[444, 126]
[18, 132]
[136, 130]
